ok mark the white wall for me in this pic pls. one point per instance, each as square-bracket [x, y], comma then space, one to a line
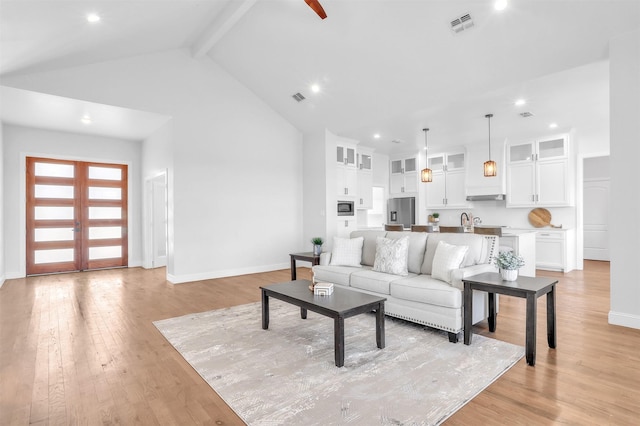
[624, 54]
[2, 263]
[20, 142]
[236, 190]
[315, 189]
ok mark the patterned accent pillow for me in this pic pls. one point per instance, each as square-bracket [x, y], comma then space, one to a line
[447, 258]
[347, 252]
[392, 256]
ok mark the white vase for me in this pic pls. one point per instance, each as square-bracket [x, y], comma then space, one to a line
[509, 274]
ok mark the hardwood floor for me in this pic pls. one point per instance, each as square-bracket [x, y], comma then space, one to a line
[82, 349]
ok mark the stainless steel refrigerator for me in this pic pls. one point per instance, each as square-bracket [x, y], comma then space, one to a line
[402, 211]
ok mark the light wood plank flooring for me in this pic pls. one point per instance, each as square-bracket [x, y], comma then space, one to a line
[82, 349]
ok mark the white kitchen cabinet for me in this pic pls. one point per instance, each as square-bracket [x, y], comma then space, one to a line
[552, 250]
[346, 171]
[365, 179]
[346, 155]
[523, 243]
[403, 175]
[447, 190]
[539, 173]
[345, 226]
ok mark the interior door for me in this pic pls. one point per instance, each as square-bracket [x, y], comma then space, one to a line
[76, 215]
[596, 219]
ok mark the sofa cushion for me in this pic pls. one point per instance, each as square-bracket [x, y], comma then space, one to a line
[475, 242]
[374, 281]
[334, 274]
[346, 251]
[369, 244]
[417, 246]
[447, 258]
[425, 289]
[391, 256]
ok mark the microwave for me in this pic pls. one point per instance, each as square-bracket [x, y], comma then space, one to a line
[346, 208]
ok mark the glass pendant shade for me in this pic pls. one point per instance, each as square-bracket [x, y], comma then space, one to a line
[490, 168]
[426, 176]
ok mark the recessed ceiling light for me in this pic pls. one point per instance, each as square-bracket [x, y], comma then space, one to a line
[86, 119]
[553, 125]
[520, 102]
[376, 136]
[93, 17]
[500, 4]
[315, 88]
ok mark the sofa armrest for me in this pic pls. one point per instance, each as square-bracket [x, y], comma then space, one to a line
[457, 275]
[325, 258]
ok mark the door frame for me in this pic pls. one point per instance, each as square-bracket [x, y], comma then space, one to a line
[147, 220]
[23, 199]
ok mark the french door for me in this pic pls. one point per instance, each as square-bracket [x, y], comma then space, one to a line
[76, 215]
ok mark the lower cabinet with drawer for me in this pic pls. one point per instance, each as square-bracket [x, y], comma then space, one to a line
[552, 250]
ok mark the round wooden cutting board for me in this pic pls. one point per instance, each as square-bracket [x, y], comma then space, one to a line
[540, 217]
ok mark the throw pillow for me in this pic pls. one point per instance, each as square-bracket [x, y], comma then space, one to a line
[447, 258]
[346, 251]
[392, 256]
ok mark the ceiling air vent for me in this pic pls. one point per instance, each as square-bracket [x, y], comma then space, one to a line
[526, 114]
[298, 97]
[462, 23]
[397, 141]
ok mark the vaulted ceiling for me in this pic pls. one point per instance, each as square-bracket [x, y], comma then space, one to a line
[389, 67]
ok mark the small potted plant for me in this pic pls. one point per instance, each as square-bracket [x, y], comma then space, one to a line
[436, 217]
[317, 245]
[509, 263]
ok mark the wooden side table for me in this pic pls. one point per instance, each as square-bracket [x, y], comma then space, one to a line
[306, 256]
[529, 288]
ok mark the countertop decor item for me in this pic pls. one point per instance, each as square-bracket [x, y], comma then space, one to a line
[541, 217]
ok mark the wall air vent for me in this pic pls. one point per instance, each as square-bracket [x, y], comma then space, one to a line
[461, 23]
[298, 97]
[526, 114]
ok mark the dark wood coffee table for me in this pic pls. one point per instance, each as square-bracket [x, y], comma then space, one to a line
[529, 288]
[343, 303]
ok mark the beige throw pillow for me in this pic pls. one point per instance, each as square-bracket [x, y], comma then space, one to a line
[447, 258]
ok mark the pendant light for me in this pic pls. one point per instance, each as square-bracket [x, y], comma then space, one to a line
[490, 167]
[425, 175]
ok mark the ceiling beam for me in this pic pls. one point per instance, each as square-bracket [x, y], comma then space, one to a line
[231, 14]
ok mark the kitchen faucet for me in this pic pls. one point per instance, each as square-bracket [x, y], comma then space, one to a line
[462, 221]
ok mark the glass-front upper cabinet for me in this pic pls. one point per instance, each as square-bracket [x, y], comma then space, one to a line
[543, 149]
[346, 155]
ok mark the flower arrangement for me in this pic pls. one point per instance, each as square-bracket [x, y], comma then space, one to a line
[508, 261]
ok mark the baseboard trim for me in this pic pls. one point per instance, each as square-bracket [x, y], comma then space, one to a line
[1, 280]
[181, 279]
[624, 319]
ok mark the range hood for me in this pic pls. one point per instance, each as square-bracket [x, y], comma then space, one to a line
[489, 197]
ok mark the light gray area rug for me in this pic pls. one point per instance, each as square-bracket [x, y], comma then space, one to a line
[286, 375]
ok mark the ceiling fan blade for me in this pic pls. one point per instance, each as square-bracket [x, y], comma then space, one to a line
[317, 7]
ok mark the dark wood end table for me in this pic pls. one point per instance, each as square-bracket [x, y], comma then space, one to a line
[529, 288]
[307, 257]
[342, 303]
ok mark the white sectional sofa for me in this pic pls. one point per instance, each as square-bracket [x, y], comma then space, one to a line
[417, 296]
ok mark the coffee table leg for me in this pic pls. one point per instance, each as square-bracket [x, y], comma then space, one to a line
[492, 312]
[380, 325]
[551, 317]
[293, 268]
[530, 347]
[338, 331]
[303, 313]
[468, 309]
[265, 310]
